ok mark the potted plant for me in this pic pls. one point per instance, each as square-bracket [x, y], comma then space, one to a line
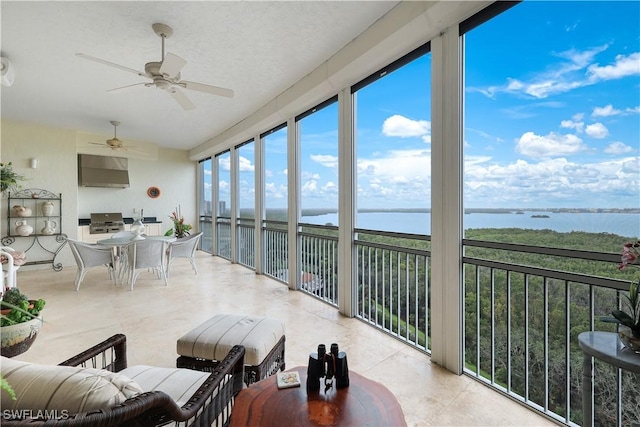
[20, 322]
[9, 180]
[629, 314]
[180, 228]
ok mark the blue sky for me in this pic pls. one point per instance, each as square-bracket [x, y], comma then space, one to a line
[552, 119]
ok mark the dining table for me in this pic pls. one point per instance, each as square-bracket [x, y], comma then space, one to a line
[119, 243]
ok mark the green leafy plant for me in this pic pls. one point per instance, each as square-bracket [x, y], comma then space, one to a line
[22, 310]
[9, 179]
[631, 318]
[180, 228]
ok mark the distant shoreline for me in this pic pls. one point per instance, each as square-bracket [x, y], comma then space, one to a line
[321, 211]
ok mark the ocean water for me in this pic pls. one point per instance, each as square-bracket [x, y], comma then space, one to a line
[623, 224]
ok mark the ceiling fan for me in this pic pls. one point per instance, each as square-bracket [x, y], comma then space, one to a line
[166, 73]
[113, 143]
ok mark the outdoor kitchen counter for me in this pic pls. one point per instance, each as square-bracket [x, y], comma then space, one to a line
[146, 220]
[153, 228]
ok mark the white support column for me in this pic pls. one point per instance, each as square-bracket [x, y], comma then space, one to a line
[293, 195]
[446, 204]
[235, 192]
[346, 201]
[259, 203]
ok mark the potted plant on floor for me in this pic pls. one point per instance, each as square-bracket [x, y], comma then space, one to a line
[20, 322]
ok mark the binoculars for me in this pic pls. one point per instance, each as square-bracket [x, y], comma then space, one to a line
[328, 365]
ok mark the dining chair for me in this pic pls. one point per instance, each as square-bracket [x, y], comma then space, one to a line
[11, 262]
[184, 248]
[8, 273]
[89, 255]
[144, 255]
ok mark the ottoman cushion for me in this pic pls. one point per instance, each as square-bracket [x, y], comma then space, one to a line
[213, 339]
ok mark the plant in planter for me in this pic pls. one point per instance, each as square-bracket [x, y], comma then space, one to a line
[180, 228]
[9, 180]
[631, 318]
[20, 322]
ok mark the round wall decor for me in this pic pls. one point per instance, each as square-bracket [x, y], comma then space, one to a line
[153, 192]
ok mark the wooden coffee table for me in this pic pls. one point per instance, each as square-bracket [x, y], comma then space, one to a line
[363, 403]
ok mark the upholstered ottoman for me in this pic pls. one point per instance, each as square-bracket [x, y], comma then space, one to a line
[262, 337]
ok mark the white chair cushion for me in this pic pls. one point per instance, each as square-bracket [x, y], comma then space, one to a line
[64, 388]
[179, 384]
[213, 339]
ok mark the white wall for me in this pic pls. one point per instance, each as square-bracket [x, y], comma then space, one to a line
[56, 149]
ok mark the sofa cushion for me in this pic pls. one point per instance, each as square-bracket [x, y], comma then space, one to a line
[179, 384]
[64, 388]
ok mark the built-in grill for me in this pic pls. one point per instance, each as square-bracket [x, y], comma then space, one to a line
[106, 223]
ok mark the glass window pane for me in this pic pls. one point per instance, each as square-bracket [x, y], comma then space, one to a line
[246, 183]
[206, 243]
[551, 123]
[319, 166]
[275, 160]
[224, 184]
[393, 134]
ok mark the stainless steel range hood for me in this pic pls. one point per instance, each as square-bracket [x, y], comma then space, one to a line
[103, 171]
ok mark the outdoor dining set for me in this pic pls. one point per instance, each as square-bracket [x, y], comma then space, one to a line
[126, 255]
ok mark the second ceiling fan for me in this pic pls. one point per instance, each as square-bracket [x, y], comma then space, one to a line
[166, 73]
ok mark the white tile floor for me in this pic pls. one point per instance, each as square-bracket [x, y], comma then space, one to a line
[153, 317]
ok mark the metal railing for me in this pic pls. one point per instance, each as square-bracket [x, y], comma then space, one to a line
[246, 242]
[319, 261]
[276, 250]
[522, 310]
[223, 237]
[206, 226]
[521, 324]
[393, 285]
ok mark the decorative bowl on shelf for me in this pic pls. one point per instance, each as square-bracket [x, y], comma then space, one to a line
[19, 210]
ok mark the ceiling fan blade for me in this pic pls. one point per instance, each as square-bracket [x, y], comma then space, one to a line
[201, 87]
[182, 99]
[111, 64]
[124, 87]
[171, 65]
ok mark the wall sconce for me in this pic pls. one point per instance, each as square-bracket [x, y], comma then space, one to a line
[34, 163]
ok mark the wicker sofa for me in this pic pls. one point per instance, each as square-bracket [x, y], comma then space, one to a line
[209, 404]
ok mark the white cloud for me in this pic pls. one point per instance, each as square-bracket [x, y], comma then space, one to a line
[568, 75]
[330, 187]
[309, 188]
[605, 111]
[597, 130]
[633, 110]
[325, 160]
[570, 124]
[550, 182]
[225, 163]
[245, 165]
[403, 127]
[617, 148]
[622, 67]
[274, 191]
[551, 145]
[310, 175]
[398, 175]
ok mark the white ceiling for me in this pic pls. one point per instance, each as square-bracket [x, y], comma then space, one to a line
[256, 48]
